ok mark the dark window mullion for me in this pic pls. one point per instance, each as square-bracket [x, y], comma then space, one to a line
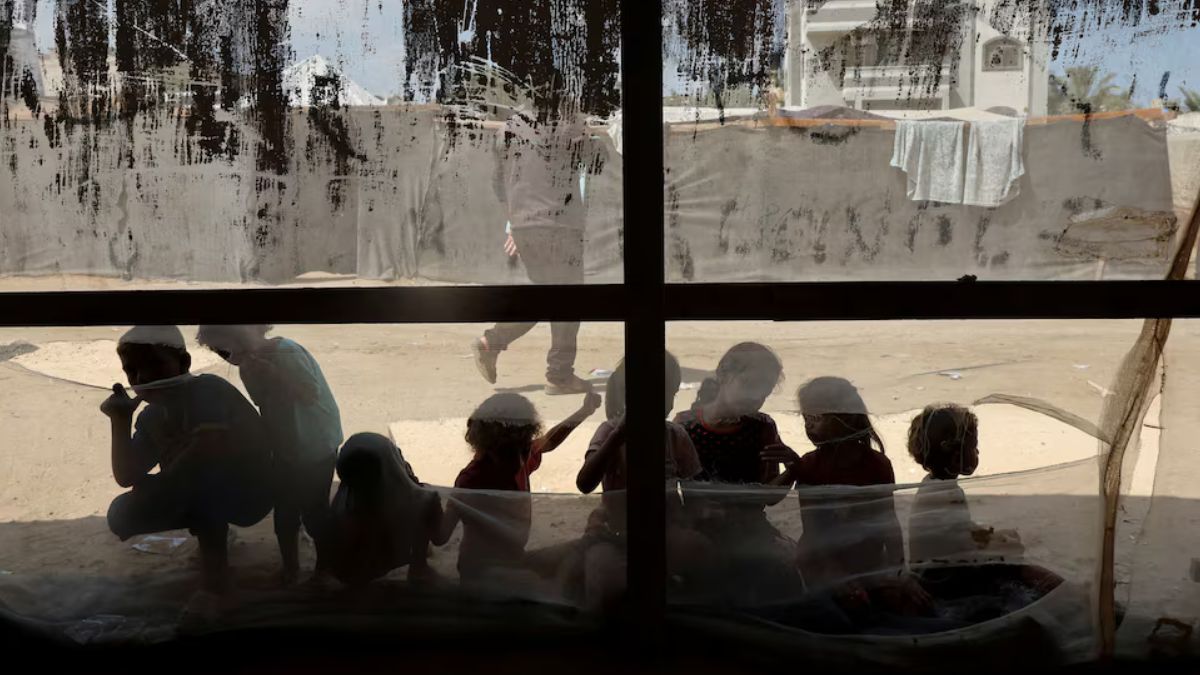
[645, 334]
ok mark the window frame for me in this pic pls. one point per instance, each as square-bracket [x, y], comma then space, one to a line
[644, 302]
[1000, 42]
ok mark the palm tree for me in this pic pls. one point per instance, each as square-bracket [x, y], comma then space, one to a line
[1082, 89]
[1191, 99]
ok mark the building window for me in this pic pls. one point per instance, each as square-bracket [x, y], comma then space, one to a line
[1002, 54]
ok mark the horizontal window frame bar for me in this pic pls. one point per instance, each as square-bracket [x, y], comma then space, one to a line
[817, 301]
[934, 300]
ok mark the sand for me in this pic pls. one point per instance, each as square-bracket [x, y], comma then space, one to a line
[418, 384]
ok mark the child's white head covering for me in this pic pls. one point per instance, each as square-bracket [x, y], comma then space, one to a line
[162, 336]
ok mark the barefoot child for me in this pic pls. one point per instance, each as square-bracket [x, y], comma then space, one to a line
[382, 517]
[206, 439]
[303, 426]
[503, 432]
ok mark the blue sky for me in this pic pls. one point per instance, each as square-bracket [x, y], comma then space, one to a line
[366, 38]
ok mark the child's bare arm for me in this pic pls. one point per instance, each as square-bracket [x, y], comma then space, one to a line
[774, 453]
[597, 463]
[550, 440]
[127, 466]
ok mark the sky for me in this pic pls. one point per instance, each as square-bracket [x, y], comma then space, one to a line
[366, 38]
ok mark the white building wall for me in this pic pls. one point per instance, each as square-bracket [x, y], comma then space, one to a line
[1004, 88]
[811, 82]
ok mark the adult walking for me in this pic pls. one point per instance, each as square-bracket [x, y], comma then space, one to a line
[543, 158]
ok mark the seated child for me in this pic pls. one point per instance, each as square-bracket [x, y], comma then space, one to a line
[206, 439]
[303, 426]
[503, 432]
[738, 446]
[944, 440]
[382, 517]
[858, 534]
[605, 464]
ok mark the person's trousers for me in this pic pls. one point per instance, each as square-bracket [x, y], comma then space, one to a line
[552, 255]
[208, 500]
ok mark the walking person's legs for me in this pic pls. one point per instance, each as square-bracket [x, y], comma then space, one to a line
[560, 360]
[562, 264]
[552, 255]
[495, 340]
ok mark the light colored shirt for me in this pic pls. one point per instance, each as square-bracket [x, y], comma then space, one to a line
[299, 431]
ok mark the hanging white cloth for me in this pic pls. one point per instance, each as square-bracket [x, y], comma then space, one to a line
[994, 163]
[931, 153]
[615, 131]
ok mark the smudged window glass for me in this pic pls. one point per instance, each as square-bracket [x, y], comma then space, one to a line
[833, 140]
[308, 142]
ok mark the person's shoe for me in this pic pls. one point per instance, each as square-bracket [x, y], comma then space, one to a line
[485, 360]
[572, 385]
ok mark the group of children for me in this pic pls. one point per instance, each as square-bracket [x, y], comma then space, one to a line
[222, 462]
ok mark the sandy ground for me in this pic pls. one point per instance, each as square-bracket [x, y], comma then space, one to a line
[418, 384]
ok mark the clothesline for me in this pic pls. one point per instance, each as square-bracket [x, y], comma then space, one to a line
[1144, 114]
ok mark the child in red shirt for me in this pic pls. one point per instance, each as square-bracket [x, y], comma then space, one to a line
[843, 536]
[504, 434]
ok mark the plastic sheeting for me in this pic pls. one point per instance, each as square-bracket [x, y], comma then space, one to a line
[745, 204]
[823, 203]
[1008, 558]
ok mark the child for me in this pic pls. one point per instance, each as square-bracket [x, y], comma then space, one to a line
[382, 517]
[605, 464]
[206, 439]
[944, 440]
[726, 424]
[731, 435]
[503, 433]
[303, 426]
[843, 537]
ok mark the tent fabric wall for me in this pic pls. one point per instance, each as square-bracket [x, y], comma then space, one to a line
[416, 200]
[782, 204]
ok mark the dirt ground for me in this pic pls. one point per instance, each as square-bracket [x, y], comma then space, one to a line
[418, 384]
